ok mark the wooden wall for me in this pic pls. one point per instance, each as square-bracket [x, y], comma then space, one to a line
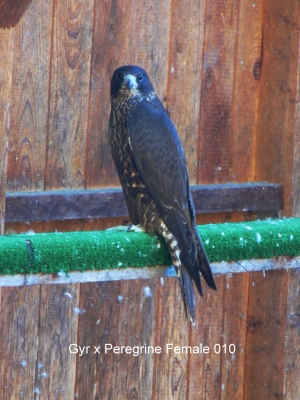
[258, 313]
[227, 73]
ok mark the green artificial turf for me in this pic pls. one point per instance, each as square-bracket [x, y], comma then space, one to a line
[79, 251]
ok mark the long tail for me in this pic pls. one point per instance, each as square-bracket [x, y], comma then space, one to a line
[187, 266]
[204, 266]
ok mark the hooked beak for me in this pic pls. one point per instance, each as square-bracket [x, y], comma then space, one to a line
[130, 82]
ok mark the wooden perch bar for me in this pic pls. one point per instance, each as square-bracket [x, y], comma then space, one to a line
[107, 203]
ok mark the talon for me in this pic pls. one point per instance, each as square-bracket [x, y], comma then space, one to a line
[135, 228]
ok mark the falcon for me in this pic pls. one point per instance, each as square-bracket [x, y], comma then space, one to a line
[151, 165]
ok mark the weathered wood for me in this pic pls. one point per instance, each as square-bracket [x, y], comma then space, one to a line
[127, 319]
[69, 94]
[278, 96]
[236, 290]
[11, 11]
[69, 98]
[3, 169]
[95, 372]
[19, 341]
[29, 99]
[248, 59]
[146, 273]
[5, 85]
[170, 369]
[296, 158]
[214, 153]
[103, 203]
[124, 32]
[58, 327]
[137, 327]
[185, 66]
[208, 331]
[265, 338]
[292, 342]
[65, 225]
[39, 322]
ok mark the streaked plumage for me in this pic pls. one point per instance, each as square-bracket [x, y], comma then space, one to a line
[151, 165]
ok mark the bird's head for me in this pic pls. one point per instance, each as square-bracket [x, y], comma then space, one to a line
[130, 81]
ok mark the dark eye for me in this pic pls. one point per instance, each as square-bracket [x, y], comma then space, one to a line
[119, 76]
[140, 77]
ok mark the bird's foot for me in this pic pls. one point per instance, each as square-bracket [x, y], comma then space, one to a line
[120, 228]
[135, 228]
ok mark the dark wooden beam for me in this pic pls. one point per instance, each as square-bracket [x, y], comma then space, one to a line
[106, 203]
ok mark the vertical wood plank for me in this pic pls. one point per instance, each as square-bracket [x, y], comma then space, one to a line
[125, 32]
[236, 290]
[205, 369]
[58, 325]
[296, 164]
[266, 328]
[3, 170]
[69, 93]
[137, 324]
[292, 344]
[277, 105]
[98, 325]
[19, 341]
[217, 91]
[120, 314]
[170, 369]
[29, 98]
[184, 88]
[5, 84]
[248, 61]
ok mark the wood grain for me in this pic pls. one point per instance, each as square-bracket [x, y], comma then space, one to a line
[265, 337]
[248, 61]
[12, 11]
[69, 93]
[65, 225]
[29, 105]
[124, 32]
[292, 342]
[5, 84]
[59, 313]
[185, 67]
[137, 327]
[3, 169]
[95, 373]
[128, 320]
[217, 91]
[39, 322]
[19, 341]
[205, 369]
[278, 96]
[72, 204]
[170, 369]
[296, 155]
[236, 290]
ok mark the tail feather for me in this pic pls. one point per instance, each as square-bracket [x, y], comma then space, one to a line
[187, 291]
[204, 266]
[188, 264]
